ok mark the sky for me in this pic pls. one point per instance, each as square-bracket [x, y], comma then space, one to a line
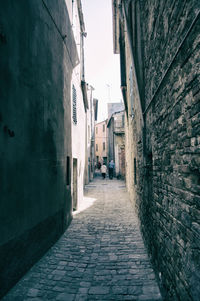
[102, 69]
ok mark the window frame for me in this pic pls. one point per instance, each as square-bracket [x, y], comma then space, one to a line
[74, 104]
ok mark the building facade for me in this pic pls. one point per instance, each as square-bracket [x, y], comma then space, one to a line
[38, 54]
[101, 142]
[158, 44]
[116, 142]
[90, 137]
[79, 108]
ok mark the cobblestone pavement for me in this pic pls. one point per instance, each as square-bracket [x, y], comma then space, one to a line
[101, 256]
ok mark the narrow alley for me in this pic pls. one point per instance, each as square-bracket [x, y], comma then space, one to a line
[90, 89]
[101, 256]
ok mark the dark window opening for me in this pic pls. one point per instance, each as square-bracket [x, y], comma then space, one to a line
[104, 146]
[123, 121]
[103, 127]
[96, 147]
[68, 171]
[105, 160]
[135, 172]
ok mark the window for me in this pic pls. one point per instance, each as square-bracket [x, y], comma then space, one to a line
[135, 172]
[68, 171]
[131, 91]
[74, 110]
[104, 146]
[96, 130]
[123, 121]
[103, 127]
[97, 147]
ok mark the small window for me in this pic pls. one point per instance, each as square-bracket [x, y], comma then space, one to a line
[131, 91]
[103, 127]
[68, 171]
[74, 96]
[96, 130]
[123, 121]
[135, 172]
[97, 147]
[104, 146]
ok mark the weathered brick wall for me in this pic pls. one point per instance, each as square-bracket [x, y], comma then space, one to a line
[167, 149]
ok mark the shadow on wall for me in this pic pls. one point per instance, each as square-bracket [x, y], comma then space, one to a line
[35, 111]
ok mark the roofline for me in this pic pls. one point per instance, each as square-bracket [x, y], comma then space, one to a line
[114, 114]
[101, 122]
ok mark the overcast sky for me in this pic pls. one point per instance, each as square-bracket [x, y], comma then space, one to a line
[101, 64]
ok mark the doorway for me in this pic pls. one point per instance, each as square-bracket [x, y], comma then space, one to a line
[75, 193]
[105, 160]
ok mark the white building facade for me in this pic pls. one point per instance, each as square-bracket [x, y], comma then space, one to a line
[90, 136]
[78, 108]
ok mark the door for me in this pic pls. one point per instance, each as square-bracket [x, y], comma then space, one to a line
[105, 160]
[75, 194]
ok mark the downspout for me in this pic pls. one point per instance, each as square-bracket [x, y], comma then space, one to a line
[72, 11]
[122, 6]
[83, 34]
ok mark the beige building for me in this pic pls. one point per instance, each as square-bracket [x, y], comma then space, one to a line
[101, 142]
[116, 142]
[91, 119]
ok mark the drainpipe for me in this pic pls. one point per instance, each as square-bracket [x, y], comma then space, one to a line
[83, 35]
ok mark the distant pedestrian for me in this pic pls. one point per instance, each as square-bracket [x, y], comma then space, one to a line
[111, 167]
[103, 170]
[99, 165]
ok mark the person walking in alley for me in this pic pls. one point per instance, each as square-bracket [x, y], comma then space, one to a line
[111, 167]
[103, 170]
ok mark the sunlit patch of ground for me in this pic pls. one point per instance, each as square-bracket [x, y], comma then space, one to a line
[85, 204]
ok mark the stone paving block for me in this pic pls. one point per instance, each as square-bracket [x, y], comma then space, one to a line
[32, 292]
[117, 290]
[65, 297]
[81, 297]
[83, 290]
[99, 290]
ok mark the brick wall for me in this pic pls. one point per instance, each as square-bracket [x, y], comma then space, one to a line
[167, 148]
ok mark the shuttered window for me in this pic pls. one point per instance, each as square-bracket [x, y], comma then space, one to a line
[131, 91]
[74, 109]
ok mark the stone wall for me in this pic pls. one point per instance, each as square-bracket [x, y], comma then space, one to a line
[36, 62]
[164, 180]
